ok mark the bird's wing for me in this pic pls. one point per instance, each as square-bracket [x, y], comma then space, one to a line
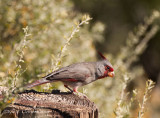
[75, 72]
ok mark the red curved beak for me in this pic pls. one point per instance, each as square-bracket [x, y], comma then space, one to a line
[111, 74]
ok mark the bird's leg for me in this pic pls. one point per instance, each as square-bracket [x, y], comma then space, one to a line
[75, 90]
[69, 88]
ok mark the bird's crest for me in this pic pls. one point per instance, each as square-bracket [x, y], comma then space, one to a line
[101, 55]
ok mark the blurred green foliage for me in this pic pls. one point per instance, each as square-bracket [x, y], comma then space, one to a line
[119, 17]
[49, 22]
[25, 57]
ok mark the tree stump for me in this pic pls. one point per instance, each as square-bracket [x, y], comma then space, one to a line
[32, 104]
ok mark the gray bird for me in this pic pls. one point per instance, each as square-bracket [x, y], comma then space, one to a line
[78, 74]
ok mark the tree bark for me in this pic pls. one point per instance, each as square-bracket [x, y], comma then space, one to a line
[32, 104]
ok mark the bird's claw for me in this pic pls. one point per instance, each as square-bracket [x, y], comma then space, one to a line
[80, 94]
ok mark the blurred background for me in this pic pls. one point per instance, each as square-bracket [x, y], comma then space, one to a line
[126, 32]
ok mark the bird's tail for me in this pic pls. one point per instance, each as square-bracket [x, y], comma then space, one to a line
[38, 82]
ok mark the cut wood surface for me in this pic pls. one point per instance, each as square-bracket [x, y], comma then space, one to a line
[33, 104]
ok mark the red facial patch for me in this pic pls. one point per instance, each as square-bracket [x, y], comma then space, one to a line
[111, 69]
[105, 75]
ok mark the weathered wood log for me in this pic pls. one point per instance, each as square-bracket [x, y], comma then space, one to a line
[32, 104]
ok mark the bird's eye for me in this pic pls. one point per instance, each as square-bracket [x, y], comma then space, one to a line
[107, 67]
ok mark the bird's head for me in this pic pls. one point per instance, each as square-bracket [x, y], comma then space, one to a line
[109, 71]
[105, 68]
